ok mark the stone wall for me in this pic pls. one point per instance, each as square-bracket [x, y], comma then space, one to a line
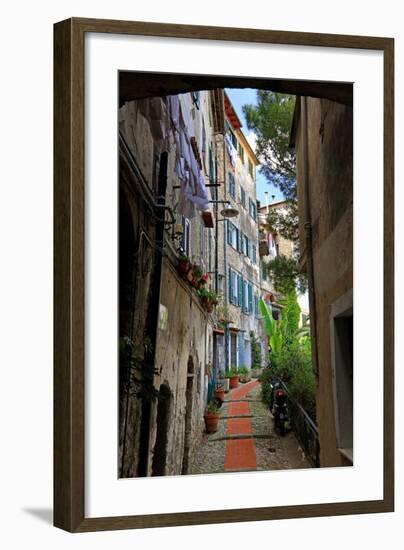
[330, 134]
[182, 360]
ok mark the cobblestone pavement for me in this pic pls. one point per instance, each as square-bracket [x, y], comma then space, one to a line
[246, 441]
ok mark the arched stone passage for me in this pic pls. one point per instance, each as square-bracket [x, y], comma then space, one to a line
[163, 420]
[138, 85]
[188, 415]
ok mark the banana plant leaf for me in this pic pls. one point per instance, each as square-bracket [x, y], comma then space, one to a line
[276, 341]
[269, 321]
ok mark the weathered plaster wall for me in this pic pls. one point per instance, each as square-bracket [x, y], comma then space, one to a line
[186, 340]
[330, 151]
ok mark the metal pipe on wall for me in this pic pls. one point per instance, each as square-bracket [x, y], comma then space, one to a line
[308, 236]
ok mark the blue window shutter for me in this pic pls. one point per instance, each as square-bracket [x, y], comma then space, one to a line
[229, 224]
[211, 169]
[240, 290]
[230, 286]
[250, 301]
[242, 293]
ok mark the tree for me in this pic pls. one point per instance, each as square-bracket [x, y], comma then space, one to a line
[286, 275]
[271, 121]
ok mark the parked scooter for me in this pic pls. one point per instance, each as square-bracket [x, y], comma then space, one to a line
[280, 409]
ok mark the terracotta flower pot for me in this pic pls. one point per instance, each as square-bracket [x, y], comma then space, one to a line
[183, 268]
[234, 382]
[190, 275]
[219, 393]
[211, 422]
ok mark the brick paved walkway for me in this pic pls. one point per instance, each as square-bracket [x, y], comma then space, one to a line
[240, 452]
[246, 439]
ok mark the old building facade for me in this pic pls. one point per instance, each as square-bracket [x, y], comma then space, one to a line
[159, 219]
[322, 135]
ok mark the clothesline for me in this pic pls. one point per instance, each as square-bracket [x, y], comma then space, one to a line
[166, 118]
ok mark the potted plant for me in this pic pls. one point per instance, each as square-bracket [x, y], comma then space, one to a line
[196, 278]
[233, 376]
[211, 417]
[224, 381]
[244, 375]
[219, 391]
[183, 265]
[204, 279]
[208, 298]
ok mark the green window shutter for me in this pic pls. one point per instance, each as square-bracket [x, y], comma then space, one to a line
[242, 294]
[250, 298]
[230, 286]
[211, 169]
[240, 290]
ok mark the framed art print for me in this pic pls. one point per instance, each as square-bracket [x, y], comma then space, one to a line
[224, 275]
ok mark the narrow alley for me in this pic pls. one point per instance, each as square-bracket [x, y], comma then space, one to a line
[246, 439]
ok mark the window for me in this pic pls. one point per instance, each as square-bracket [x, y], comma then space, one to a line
[252, 208]
[245, 296]
[256, 310]
[202, 246]
[242, 196]
[341, 325]
[241, 152]
[233, 348]
[232, 185]
[231, 135]
[233, 287]
[240, 286]
[254, 254]
[251, 169]
[232, 235]
[246, 245]
[250, 298]
[185, 241]
[196, 97]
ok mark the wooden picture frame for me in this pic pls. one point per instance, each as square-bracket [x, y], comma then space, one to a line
[69, 298]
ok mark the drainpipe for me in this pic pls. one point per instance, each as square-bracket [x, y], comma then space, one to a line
[226, 281]
[308, 236]
[152, 322]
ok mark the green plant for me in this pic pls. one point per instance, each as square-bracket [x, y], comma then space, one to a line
[211, 408]
[285, 274]
[136, 374]
[255, 352]
[197, 271]
[290, 358]
[232, 372]
[183, 258]
[203, 292]
[271, 327]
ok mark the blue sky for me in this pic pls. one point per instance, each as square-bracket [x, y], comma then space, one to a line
[240, 97]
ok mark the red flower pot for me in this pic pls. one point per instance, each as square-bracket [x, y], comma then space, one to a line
[211, 422]
[183, 268]
[219, 393]
[234, 382]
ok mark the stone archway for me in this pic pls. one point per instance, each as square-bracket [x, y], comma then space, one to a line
[188, 416]
[163, 420]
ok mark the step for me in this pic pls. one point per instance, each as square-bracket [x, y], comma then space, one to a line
[236, 416]
[242, 436]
